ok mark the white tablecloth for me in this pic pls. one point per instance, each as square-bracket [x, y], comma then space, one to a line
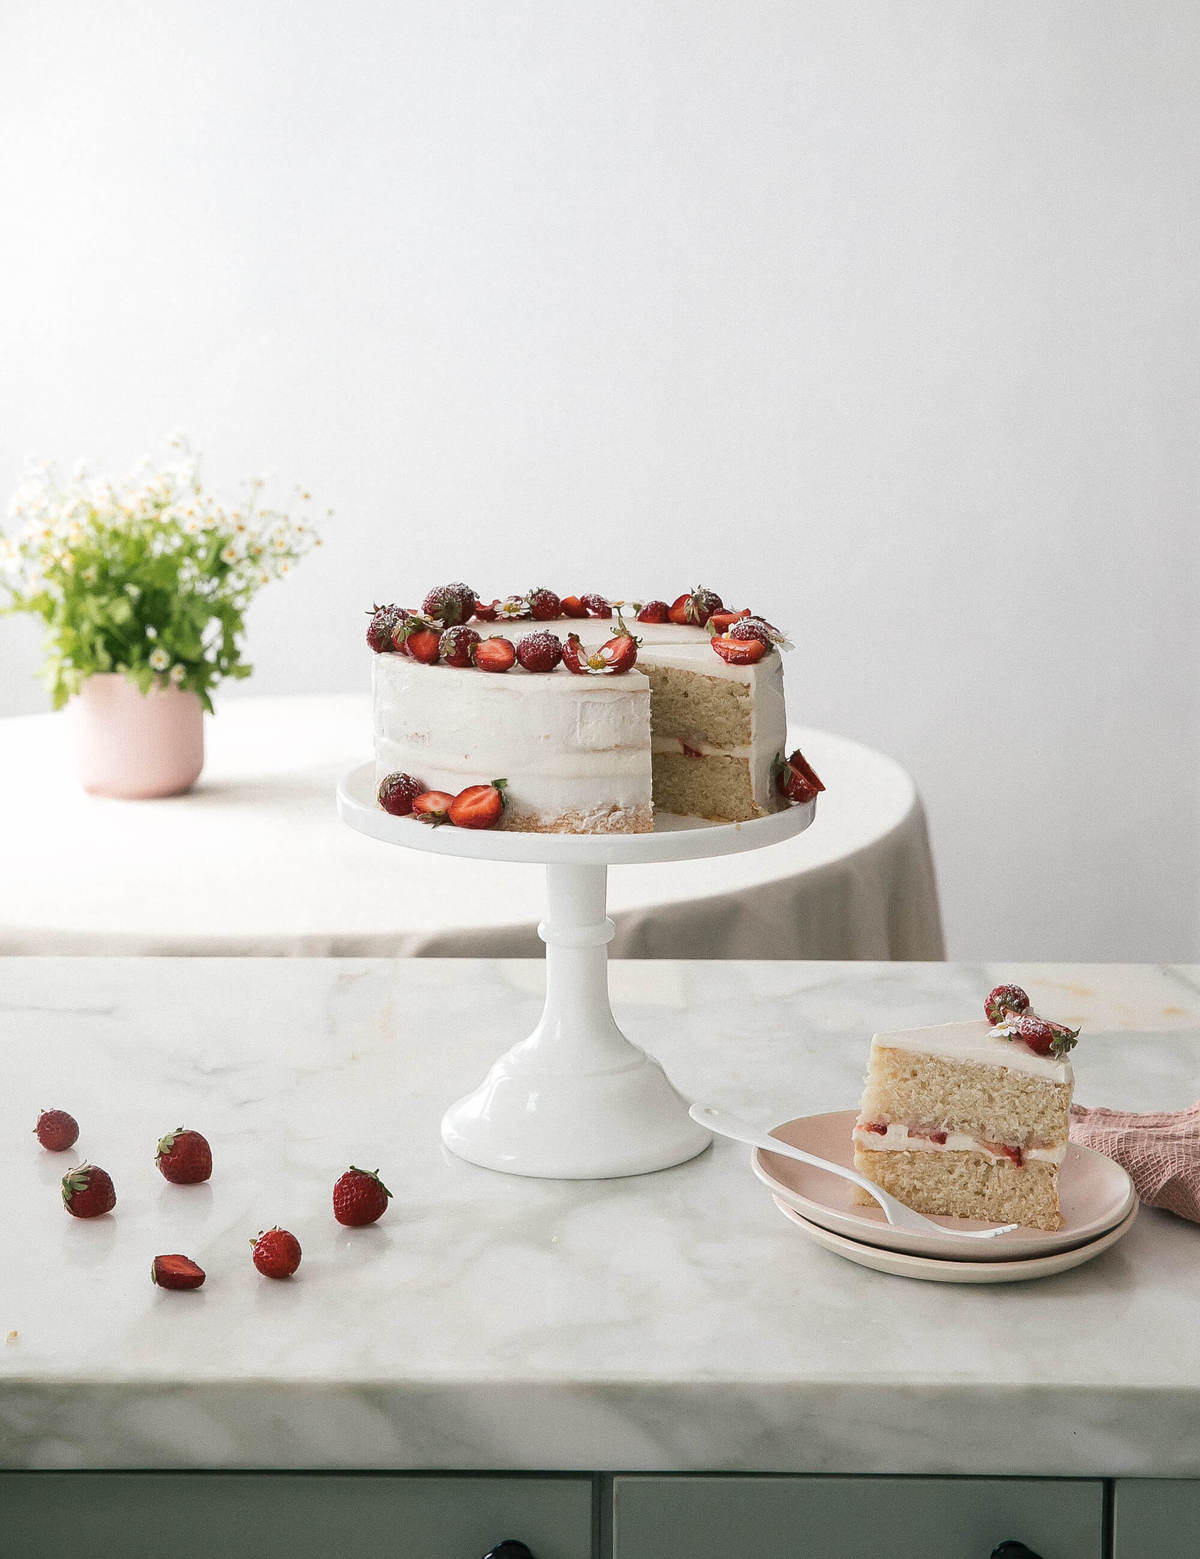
[254, 860]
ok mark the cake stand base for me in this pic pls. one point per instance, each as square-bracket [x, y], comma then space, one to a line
[576, 1100]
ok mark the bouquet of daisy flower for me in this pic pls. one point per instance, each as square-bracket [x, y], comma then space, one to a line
[149, 576]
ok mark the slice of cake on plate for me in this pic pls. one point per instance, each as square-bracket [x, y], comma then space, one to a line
[970, 1120]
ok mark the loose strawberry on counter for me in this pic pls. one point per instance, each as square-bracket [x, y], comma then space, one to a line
[87, 1191]
[479, 806]
[184, 1157]
[176, 1272]
[359, 1197]
[495, 654]
[56, 1130]
[397, 792]
[276, 1253]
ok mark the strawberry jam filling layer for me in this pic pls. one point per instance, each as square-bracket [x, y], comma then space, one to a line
[893, 1137]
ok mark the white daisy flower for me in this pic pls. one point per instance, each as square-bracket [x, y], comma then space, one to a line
[229, 554]
[159, 658]
[178, 673]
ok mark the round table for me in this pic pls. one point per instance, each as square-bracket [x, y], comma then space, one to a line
[254, 860]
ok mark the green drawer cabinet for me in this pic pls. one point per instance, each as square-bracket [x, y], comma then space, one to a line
[1156, 1518]
[217, 1515]
[847, 1518]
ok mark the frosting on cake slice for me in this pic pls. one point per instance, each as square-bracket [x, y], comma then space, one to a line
[965, 1120]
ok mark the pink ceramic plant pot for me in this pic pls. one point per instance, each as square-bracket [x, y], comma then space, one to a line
[137, 745]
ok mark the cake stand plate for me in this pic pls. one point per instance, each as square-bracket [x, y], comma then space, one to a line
[576, 1100]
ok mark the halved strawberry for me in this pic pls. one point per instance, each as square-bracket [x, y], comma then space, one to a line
[479, 806]
[494, 654]
[487, 611]
[796, 778]
[432, 806]
[572, 606]
[722, 622]
[405, 627]
[738, 652]
[653, 612]
[176, 1272]
[424, 645]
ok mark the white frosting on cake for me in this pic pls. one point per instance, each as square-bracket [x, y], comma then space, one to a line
[900, 1139]
[976, 1041]
[571, 747]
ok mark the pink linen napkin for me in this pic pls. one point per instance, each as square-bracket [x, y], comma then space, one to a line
[1160, 1152]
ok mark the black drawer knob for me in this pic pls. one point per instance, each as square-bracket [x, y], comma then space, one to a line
[1013, 1550]
[511, 1549]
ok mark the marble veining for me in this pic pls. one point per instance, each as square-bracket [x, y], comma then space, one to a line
[669, 1321]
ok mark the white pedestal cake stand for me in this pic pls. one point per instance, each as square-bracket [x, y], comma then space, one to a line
[576, 1100]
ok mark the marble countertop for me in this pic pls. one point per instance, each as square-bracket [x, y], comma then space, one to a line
[673, 1321]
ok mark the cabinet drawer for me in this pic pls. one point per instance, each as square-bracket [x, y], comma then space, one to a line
[1156, 1518]
[846, 1518]
[252, 1515]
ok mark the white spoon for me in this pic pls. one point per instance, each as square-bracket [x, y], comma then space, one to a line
[896, 1213]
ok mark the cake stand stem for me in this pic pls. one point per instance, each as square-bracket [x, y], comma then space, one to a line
[576, 1100]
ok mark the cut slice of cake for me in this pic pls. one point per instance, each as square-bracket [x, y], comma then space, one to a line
[970, 1120]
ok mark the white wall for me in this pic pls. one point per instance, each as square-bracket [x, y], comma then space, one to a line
[883, 317]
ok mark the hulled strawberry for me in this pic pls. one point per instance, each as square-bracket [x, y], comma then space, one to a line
[494, 654]
[540, 651]
[479, 806]
[544, 605]
[276, 1253]
[184, 1157]
[654, 612]
[431, 806]
[56, 1130]
[379, 629]
[450, 604]
[176, 1272]
[572, 606]
[695, 607]
[738, 652]
[397, 792]
[424, 645]
[1004, 1001]
[359, 1197]
[596, 606]
[796, 778]
[615, 655]
[455, 648]
[87, 1191]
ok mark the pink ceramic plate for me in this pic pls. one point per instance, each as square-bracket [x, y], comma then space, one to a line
[1094, 1193]
[931, 1269]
